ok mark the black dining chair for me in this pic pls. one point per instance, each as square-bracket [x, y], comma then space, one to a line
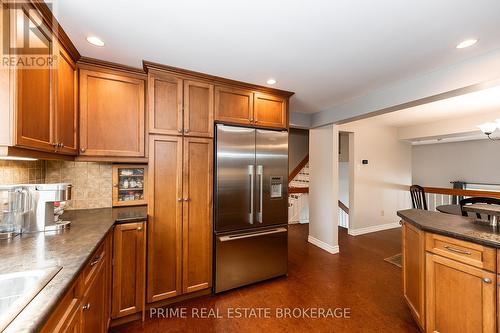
[477, 200]
[418, 197]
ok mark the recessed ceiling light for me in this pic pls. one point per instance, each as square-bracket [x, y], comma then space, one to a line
[466, 43]
[271, 81]
[96, 41]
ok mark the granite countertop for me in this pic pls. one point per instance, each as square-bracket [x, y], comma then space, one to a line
[464, 228]
[69, 249]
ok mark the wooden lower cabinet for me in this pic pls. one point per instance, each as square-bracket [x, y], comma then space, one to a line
[459, 297]
[413, 242]
[85, 307]
[180, 216]
[129, 268]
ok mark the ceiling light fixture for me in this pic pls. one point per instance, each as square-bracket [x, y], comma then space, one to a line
[490, 127]
[96, 41]
[466, 43]
[271, 81]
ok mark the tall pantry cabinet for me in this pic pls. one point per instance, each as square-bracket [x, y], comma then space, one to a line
[180, 185]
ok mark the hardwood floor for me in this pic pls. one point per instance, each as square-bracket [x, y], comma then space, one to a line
[357, 278]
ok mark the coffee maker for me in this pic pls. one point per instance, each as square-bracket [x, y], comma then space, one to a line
[43, 199]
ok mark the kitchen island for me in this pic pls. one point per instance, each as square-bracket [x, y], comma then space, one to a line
[450, 271]
[70, 251]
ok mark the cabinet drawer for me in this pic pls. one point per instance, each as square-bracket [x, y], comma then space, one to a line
[63, 316]
[462, 251]
[93, 265]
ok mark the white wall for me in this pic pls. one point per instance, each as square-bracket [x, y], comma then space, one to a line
[298, 147]
[380, 188]
[323, 187]
[344, 183]
[474, 161]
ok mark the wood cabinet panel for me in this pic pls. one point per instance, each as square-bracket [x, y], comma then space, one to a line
[34, 91]
[165, 104]
[65, 115]
[197, 214]
[233, 105]
[111, 114]
[270, 110]
[198, 109]
[66, 316]
[165, 213]
[414, 271]
[470, 309]
[94, 318]
[129, 269]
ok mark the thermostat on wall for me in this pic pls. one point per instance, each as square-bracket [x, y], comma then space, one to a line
[364, 161]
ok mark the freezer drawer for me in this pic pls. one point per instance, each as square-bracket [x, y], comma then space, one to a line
[245, 258]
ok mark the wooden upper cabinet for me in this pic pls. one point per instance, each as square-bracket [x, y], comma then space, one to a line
[198, 109]
[34, 89]
[111, 114]
[65, 115]
[413, 271]
[471, 308]
[197, 215]
[270, 110]
[165, 103]
[129, 269]
[165, 217]
[234, 105]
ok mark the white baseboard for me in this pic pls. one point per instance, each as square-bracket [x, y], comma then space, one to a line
[375, 228]
[323, 245]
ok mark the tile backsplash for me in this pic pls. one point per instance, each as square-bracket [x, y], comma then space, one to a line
[22, 172]
[92, 182]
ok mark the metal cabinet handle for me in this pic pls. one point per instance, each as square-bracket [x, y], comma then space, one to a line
[83, 150]
[139, 228]
[86, 307]
[60, 145]
[96, 261]
[54, 144]
[452, 249]
[186, 130]
[486, 280]
[179, 130]
[179, 199]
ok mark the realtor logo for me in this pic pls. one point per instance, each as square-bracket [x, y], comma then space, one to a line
[27, 40]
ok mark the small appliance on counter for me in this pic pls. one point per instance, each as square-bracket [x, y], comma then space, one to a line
[46, 205]
[13, 208]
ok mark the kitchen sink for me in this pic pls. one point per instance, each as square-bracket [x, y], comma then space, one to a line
[19, 288]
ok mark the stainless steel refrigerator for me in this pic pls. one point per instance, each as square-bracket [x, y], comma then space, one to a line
[251, 205]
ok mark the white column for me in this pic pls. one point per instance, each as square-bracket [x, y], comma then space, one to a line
[323, 187]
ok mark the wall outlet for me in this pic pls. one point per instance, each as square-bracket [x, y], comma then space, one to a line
[382, 213]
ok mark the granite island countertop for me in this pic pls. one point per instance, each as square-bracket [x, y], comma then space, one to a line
[69, 249]
[455, 226]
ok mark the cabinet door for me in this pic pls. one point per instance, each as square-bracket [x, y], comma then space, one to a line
[413, 271]
[233, 105]
[270, 111]
[94, 304]
[65, 115]
[165, 212]
[34, 89]
[459, 297]
[197, 215]
[165, 104]
[198, 109]
[129, 269]
[111, 114]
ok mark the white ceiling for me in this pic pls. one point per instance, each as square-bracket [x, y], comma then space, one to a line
[476, 103]
[326, 51]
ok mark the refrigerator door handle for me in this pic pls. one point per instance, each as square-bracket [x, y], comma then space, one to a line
[260, 173]
[253, 234]
[251, 173]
